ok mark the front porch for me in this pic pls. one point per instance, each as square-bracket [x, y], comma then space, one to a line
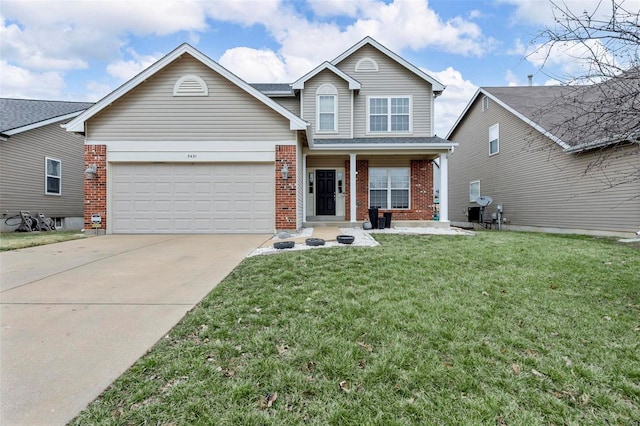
[340, 188]
[315, 222]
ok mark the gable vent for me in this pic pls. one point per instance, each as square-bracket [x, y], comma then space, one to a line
[366, 65]
[190, 85]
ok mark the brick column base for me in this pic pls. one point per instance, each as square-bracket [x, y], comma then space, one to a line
[95, 189]
[286, 196]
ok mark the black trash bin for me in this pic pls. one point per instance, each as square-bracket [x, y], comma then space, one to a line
[381, 222]
[373, 218]
[387, 219]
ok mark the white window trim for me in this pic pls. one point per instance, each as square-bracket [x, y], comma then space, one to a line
[327, 90]
[389, 188]
[473, 199]
[497, 127]
[485, 103]
[385, 132]
[47, 175]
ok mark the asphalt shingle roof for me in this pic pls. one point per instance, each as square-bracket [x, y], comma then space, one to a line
[16, 113]
[273, 88]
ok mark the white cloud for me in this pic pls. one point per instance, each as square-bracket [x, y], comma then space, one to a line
[349, 8]
[21, 83]
[126, 69]
[255, 66]
[537, 12]
[454, 99]
[572, 59]
[511, 78]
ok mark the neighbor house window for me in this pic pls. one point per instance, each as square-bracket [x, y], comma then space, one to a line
[494, 139]
[390, 114]
[389, 188]
[485, 103]
[474, 190]
[327, 105]
[53, 176]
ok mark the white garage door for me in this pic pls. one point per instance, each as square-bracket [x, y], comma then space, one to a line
[192, 198]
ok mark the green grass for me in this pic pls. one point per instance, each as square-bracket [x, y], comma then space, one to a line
[18, 240]
[500, 328]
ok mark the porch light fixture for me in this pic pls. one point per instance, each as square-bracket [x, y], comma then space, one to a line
[285, 172]
[91, 171]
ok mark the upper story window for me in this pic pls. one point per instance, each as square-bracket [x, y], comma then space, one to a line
[389, 187]
[327, 107]
[389, 114]
[485, 103]
[53, 176]
[494, 139]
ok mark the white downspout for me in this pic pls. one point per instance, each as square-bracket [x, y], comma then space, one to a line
[444, 188]
[352, 188]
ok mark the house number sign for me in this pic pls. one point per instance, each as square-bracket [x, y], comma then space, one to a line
[192, 156]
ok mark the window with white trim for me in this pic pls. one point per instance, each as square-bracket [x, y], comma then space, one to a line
[389, 187]
[389, 114]
[327, 106]
[485, 103]
[53, 176]
[494, 139]
[474, 190]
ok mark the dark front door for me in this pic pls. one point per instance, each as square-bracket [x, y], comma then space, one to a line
[325, 192]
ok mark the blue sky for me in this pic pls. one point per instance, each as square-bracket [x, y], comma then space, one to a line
[82, 50]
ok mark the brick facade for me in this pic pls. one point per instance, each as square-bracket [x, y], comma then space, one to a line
[286, 197]
[421, 192]
[95, 190]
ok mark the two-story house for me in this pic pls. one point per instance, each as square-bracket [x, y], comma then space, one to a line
[186, 146]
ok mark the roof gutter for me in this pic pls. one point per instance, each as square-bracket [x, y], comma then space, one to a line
[385, 147]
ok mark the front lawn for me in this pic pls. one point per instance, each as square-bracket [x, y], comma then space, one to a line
[497, 329]
[18, 240]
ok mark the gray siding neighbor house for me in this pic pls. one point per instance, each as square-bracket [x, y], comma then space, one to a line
[186, 146]
[514, 146]
[41, 164]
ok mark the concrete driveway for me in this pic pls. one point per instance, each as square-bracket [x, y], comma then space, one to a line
[75, 315]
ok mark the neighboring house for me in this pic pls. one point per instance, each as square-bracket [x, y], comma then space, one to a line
[516, 145]
[41, 164]
[188, 147]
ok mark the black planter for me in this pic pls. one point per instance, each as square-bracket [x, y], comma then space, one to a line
[345, 239]
[387, 219]
[373, 218]
[284, 245]
[313, 242]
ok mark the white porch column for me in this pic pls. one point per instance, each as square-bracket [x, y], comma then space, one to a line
[305, 189]
[444, 188]
[352, 188]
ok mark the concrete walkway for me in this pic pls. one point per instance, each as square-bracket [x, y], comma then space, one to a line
[74, 316]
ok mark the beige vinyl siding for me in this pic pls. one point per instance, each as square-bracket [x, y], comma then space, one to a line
[538, 183]
[292, 104]
[22, 172]
[344, 104]
[151, 112]
[390, 162]
[391, 79]
[327, 162]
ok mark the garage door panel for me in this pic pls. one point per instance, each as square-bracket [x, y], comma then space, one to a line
[192, 198]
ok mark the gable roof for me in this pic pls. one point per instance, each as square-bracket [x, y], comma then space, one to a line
[77, 124]
[353, 84]
[523, 102]
[575, 117]
[19, 115]
[437, 87]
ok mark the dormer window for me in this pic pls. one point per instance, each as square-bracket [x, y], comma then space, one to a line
[327, 106]
[366, 65]
[190, 85]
